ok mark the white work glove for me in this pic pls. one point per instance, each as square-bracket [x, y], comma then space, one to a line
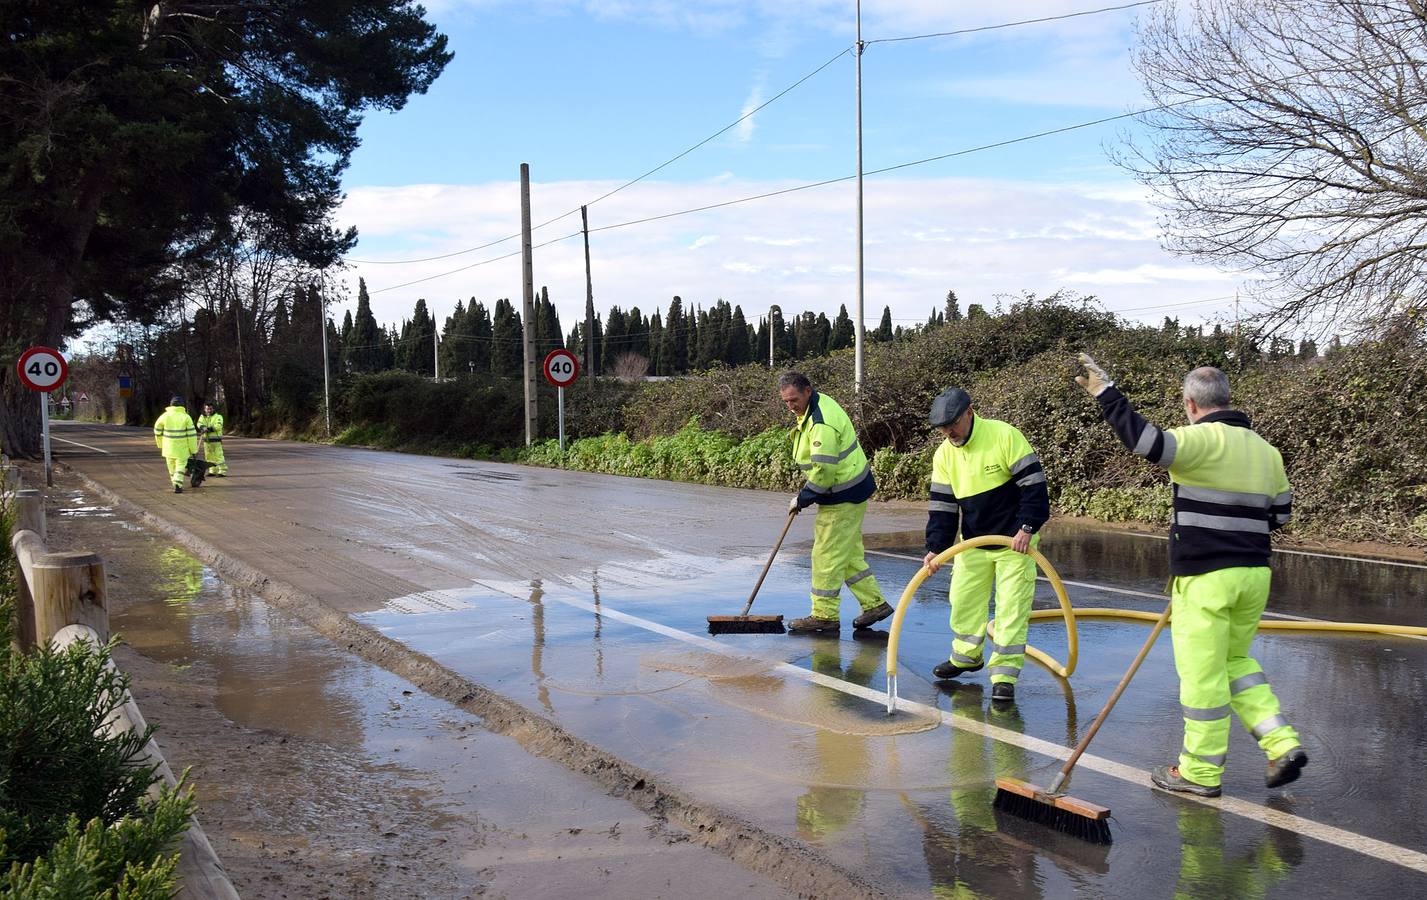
[1095, 379]
[793, 507]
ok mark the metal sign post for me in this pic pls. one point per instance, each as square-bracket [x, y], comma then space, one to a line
[561, 369]
[43, 369]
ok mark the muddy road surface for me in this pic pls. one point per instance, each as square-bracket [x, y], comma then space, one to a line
[565, 613]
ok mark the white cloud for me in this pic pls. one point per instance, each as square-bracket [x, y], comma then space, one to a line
[981, 237]
[744, 132]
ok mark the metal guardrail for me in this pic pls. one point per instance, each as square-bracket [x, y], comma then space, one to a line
[63, 599]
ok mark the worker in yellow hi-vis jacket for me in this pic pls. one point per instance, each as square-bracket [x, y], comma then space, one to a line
[985, 480]
[210, 430]
[1230, 492]
[839, 481]
[177, 439]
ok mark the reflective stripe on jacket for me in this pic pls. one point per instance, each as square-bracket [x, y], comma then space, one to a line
[212, 427]
[825, 448]
[1230, 489]
[992, 484]
[175, 434]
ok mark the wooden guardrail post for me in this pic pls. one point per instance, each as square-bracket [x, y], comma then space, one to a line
[30, 511]
[65, 588]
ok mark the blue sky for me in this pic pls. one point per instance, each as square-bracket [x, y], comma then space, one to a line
[593, 93]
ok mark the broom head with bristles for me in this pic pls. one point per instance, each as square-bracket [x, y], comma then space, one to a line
[746, 625]
[1075, 817]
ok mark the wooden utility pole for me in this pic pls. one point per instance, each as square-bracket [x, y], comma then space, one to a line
[589, 299]
[527, 267]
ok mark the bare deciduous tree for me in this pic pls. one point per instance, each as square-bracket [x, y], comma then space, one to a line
[631, 367]
[1290, 141]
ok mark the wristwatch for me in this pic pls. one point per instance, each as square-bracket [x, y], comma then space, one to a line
[1028, 529]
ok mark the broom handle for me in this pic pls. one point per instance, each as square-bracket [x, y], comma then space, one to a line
[1114, 698]
[769, 564]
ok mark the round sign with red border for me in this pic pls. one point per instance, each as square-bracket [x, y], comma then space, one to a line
[42, 369]
[561, 368]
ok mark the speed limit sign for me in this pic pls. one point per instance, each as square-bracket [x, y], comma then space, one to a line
[42, 369]
[561, 368]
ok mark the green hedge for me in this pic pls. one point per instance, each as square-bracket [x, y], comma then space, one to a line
[1349, 423]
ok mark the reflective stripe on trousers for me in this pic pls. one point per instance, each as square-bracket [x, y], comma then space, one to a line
[1215, 618]
[973, 572]
[838, 559]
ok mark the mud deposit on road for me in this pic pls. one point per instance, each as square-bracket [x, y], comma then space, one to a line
[294, 812]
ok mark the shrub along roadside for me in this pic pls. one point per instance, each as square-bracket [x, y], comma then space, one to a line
[75, 819]
[1348, 423]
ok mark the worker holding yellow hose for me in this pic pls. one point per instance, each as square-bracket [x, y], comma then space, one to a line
[985, 480]
[1230, 492]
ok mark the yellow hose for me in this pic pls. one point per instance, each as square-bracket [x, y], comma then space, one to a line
[989, 540]
[1104, 612]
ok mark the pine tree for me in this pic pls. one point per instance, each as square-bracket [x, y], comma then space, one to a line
[364, 350]
[953, 308]
[883, 334]
[739, 352]
[615, 335]
[843, 334]
[507, 341]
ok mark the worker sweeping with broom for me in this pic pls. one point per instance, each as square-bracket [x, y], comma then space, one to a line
[1230, 492]
[839, 481]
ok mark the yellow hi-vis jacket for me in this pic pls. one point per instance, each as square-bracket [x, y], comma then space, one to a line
[212, 427]
[992, 484]
[825, 447]
[175, 435]
[1230, 489]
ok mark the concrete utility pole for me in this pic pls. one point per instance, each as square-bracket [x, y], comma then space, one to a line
[326, 376]
[860, 333]
[435, 351]
[528, 269]
[770, 337]
[589, 299]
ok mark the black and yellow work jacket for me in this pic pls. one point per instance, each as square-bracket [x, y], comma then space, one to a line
[212, 427]
[1230, 490]
[825, 448]
[992, 484]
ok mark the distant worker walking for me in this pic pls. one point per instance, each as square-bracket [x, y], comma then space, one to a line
[177, 440]
[839, 481]
[985, 479]
[210, 432]
[1230, 492]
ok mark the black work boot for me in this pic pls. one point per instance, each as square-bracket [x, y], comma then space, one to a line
[872, 616]
[950, 669]
[814, 625]
[1003, 692]
[1286, 768]
[1169, 779]
[178, 489]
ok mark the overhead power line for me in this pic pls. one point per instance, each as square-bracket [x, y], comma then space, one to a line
[816, 184]
[1087, 12]
[633, 181]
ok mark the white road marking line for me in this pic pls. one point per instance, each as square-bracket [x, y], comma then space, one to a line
[1152, 596]
[1348, 840]
[78, 444]
[1361, 559]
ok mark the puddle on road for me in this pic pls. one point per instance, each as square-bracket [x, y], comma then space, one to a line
[753, 685]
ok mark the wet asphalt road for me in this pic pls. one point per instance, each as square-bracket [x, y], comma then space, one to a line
[584, 597]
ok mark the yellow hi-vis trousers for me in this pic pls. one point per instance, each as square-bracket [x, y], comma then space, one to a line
[213, 452]
[176, 466]
[972, 574]
[1215, 618]
[838, 559]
